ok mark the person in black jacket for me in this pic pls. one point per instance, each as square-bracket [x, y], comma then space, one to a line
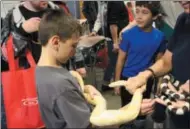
[90, 11]
[117, 19]
[112, 18]
[27, 16]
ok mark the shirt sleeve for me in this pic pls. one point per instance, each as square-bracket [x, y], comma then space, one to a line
[98, 23]
[124, 45]
[113, 14]
[74, 109]
[172, 41]
[162, 47]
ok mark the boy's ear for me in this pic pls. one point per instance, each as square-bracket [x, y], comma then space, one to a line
[54, 41]
[155, 17]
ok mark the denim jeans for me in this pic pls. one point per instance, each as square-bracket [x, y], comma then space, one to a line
[109, 72]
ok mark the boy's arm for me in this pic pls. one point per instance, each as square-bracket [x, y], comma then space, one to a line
[73, 109]
[120, 62]
[122, 56]
[119, 66]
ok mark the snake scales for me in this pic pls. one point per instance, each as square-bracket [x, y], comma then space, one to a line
[169, 96]
[100, 116]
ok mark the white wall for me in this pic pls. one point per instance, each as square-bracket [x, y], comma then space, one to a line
[7, 5]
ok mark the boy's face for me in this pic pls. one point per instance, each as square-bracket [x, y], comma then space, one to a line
[143, 17]
[39, 5]
[64, 50]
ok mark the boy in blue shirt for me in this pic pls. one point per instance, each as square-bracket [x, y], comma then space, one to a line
[139, 47]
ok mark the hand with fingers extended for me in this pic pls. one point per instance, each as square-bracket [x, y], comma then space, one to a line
[82, 71]
[31, 25]
[185, 87]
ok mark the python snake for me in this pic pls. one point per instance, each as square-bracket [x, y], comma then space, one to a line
[101, 117]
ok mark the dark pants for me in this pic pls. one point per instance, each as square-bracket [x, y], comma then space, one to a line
[126, 97]
[136, 124]
[110, 70]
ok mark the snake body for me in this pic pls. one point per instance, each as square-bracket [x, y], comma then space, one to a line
[169, 96]
[100, 116]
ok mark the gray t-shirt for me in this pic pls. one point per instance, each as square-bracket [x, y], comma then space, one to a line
[61, 102]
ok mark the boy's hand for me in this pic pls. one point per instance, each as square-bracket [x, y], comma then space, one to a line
[115, 47]
[92, 91]
[31, 25]
[82, 71]
[117, 90]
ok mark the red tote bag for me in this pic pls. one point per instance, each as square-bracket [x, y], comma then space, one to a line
[20, 95]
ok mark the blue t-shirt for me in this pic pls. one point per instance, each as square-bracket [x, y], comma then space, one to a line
[141, 48]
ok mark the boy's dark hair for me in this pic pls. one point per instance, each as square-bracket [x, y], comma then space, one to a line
[55, 22]
[153, 6]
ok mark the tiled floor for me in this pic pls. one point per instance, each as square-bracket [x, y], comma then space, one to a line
[113, 101]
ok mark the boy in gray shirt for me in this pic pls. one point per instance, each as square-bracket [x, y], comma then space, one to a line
[61, 102]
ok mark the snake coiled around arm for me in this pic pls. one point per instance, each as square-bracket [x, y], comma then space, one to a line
[100, 116]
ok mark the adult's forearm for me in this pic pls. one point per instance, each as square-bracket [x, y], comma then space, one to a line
[114, 34]
[161, 67]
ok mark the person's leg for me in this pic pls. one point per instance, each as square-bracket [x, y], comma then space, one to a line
[109, 72]
[126, 97]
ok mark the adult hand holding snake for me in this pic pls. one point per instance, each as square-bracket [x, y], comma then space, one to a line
[102, 117]
[133, 83]
[179, 103]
